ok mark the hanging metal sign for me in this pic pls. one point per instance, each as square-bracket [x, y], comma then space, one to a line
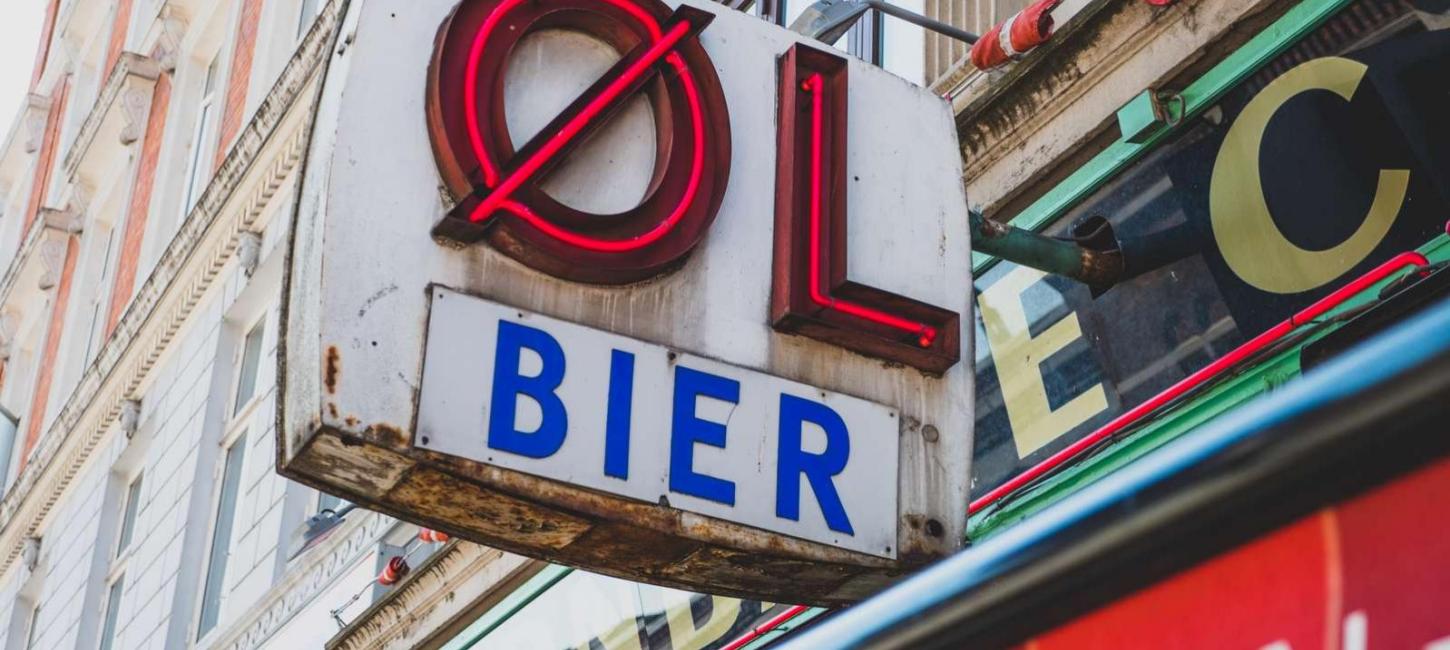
[625, 321]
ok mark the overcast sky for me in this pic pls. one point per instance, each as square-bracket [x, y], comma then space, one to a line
[19, 32]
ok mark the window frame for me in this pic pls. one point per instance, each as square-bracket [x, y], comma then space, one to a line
[31, 626]
[203, 132]
[238, 444]
[304, 19]
[235, 437]
[110, 614]
[125, 534]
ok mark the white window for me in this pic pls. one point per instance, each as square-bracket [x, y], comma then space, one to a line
[128, 516]
[306, 12]
[234, 441]
[202, 142]
[247, 373]
[116, 576]
[97, 326]
[221, 537]
[9, 441]
[113, 609]
[32, 629]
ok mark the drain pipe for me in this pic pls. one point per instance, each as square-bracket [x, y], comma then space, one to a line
[1092, 257]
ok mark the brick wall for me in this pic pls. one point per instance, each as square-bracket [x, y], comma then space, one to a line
[45, 163]
[39, 400]
[43, 50]
[119, 23]
[239, 79]
[140, 206]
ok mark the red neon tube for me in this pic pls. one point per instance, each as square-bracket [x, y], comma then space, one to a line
[926, 333]
[1204, 374]
[574, 126]
[759, 630]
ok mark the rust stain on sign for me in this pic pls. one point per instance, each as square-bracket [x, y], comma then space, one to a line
[329, 377]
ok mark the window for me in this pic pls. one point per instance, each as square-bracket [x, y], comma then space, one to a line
[9, 425]
[234, 441]
[247, 375]
[305, 14]
[32, 629]
[113, 608]
[221, 537]
[96, 329]
[198, 172]
[128, 516]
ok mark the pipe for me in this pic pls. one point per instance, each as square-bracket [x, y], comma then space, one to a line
[1203, 375]
[1096, 267]
[923, 22]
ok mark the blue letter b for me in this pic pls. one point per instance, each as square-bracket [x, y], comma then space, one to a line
[508, 385]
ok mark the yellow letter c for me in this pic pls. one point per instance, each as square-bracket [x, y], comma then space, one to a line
[1252, 244]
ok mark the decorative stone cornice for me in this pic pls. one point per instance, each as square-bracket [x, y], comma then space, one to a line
[120, 109]
[454, 584]
[308, 576]
[266, 154]
[24, 257]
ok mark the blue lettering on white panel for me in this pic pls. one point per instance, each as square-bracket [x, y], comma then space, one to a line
[686, 429]
[792, 462]
[509, 384]
[617, 415]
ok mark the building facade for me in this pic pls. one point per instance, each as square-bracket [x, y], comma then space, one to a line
[148, 185]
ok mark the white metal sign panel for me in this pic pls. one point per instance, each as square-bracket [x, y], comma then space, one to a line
[586, 407]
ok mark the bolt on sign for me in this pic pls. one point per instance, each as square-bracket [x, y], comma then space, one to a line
[656, 291]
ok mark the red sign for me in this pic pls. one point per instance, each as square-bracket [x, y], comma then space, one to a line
[812, 295]
[496, 185]
[1372, 573]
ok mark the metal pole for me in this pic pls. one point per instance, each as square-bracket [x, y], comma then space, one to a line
[1094, 268]
[922, 21]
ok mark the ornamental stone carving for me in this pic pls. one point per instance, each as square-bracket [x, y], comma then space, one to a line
[168, 45]
[130, 417]
[52, 261]
[135, 101]
[249, 251]
[36, 116]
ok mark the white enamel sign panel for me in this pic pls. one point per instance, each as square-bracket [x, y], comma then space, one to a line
[586, 407]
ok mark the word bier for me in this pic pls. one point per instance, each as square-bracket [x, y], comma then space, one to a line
[586, 407]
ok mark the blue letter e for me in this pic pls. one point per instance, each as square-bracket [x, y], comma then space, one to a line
[508, 384]
[792, 461]
[686, 429]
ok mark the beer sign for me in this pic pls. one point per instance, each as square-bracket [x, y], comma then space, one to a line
[664, 292]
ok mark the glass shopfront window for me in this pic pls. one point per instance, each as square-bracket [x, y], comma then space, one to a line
[586, 611]
[1325, 162]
